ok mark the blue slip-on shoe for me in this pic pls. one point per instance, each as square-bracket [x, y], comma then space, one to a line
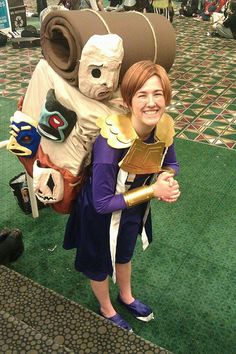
[119, 321]
[141, 311]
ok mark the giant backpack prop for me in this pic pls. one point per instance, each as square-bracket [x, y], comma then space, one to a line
[60, 108]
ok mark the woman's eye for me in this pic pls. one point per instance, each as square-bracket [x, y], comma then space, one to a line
[96, 73]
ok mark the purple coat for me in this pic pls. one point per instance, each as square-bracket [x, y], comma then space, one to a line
[100, 217]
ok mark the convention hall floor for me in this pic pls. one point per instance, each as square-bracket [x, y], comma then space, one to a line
[203, 79]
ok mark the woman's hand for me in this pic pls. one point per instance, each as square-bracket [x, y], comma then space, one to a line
[166, 188]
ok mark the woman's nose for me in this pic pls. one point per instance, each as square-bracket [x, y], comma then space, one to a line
[151, 101]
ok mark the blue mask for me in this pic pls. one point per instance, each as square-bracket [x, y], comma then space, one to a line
[24, 140]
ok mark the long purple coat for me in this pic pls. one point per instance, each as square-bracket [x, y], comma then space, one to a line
[100, 221]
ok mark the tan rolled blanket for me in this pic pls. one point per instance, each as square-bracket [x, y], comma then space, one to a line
[145, 37]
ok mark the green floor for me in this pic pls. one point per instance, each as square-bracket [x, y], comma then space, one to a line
[188, 274]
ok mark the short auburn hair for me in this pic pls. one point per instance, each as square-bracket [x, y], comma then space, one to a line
[136, 76]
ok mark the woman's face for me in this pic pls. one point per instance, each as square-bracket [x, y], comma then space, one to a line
[148, 105]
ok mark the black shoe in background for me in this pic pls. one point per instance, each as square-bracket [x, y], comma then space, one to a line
[4, 233]
[11, 246]
[30, 31]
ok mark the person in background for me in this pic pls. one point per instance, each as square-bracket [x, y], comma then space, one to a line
[96, 5]
[165, 8]
[70, 4]
[209, 7]
[113, 206]
[189, 8]
[114, 3]
[41, 5]
[144, 6]
[129, 5]
[138, 5]
[227, 28]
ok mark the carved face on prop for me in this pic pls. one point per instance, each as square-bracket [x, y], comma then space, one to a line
[56, 121]
[48, 184]
[24, 140]
[100, 64]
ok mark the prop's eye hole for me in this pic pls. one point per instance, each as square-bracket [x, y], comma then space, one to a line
[26, 140]
[96, 73]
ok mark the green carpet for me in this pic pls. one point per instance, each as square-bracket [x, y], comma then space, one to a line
[187, 275]
[7, 109]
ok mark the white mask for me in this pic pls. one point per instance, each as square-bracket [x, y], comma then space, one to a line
[48, 184]
[100, 64]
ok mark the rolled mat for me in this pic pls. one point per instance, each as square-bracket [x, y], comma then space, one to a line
[145, 37]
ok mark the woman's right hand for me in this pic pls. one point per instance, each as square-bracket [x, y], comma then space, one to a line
[166, 188]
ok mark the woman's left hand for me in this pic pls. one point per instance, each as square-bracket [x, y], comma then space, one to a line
[175, 196]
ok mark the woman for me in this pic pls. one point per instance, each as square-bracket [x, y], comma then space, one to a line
[112, 208]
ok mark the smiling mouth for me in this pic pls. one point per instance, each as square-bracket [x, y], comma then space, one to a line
[151, 112]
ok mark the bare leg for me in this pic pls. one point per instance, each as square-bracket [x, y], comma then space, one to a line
[138, 309]
[101, 291]
[123, 276]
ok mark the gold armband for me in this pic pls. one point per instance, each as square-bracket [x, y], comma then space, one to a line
[138, 196]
